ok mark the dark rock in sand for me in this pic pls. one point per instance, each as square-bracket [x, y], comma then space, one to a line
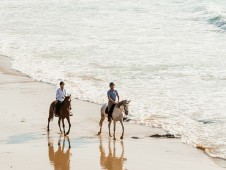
[134, 137]
[168, 135]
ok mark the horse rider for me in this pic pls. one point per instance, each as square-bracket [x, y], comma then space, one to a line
[112, 95]
[60, 95]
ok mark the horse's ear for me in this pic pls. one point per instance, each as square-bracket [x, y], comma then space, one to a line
[128, 101]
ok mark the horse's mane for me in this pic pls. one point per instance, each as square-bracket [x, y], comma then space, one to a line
[121, 103]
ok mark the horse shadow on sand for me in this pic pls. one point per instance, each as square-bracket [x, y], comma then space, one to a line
[60, 159]
[111, 161]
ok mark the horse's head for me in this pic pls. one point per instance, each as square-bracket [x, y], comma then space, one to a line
[125, 106]
[67, 101]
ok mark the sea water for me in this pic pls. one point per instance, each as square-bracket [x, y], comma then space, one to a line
[168, 57]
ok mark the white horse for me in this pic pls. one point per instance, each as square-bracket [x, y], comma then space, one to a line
[117, 115]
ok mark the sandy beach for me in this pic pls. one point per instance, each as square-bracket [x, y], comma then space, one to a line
[25, 143]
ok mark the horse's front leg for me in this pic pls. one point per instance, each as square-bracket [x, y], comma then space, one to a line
[122, 129]
[69, 123]
[63, 125]
[59, 124]
[109, 128]
[114, 129]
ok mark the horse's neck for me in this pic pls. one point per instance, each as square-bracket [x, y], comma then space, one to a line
[64, 103]
[118, 110]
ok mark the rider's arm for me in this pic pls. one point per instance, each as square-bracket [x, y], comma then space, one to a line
[117, 95]
[109, 98]
[65, 94]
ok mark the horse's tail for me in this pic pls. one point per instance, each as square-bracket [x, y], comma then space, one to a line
[51, 111]
[102, 113]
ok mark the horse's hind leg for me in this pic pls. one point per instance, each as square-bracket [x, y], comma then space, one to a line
[69, 122]
[51, 115]
[59, 124]
[101, 124]
[122, 129]
[114, 129]
[63, 125]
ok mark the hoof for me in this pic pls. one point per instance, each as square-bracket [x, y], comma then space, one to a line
[121, 137]
[110, 135]
[114, 138]
[66, 134]
[98, 133]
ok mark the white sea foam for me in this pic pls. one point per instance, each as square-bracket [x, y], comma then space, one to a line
[166, 56]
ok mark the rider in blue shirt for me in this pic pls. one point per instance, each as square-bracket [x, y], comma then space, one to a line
[112, 96]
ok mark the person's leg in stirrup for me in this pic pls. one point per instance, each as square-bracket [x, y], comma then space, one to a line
[109, 111]
[112, 96]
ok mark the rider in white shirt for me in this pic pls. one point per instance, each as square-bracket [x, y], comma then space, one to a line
[60, 95]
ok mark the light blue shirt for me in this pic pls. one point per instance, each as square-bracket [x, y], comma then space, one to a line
[60, 94]
[112, 94]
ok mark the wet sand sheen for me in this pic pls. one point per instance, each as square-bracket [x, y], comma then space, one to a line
[25, 143]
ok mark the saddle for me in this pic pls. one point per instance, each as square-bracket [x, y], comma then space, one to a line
[111, 110]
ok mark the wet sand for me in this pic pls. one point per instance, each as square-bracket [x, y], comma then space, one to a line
[25, 143]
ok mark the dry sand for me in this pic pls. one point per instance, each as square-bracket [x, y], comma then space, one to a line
[25, 143]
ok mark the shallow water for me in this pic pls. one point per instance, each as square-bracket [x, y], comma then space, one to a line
[168, 57]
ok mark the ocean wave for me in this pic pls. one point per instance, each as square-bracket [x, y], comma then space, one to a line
[218, 21]
[210, 12]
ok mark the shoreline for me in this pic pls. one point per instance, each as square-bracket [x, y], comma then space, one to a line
[20, 90]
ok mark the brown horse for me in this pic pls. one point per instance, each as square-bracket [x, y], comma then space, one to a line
[64, 112]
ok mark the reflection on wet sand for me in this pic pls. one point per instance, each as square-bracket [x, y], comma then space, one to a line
[111, 161]
[59, 159]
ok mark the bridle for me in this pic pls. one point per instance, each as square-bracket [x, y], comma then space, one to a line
[126, 109]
